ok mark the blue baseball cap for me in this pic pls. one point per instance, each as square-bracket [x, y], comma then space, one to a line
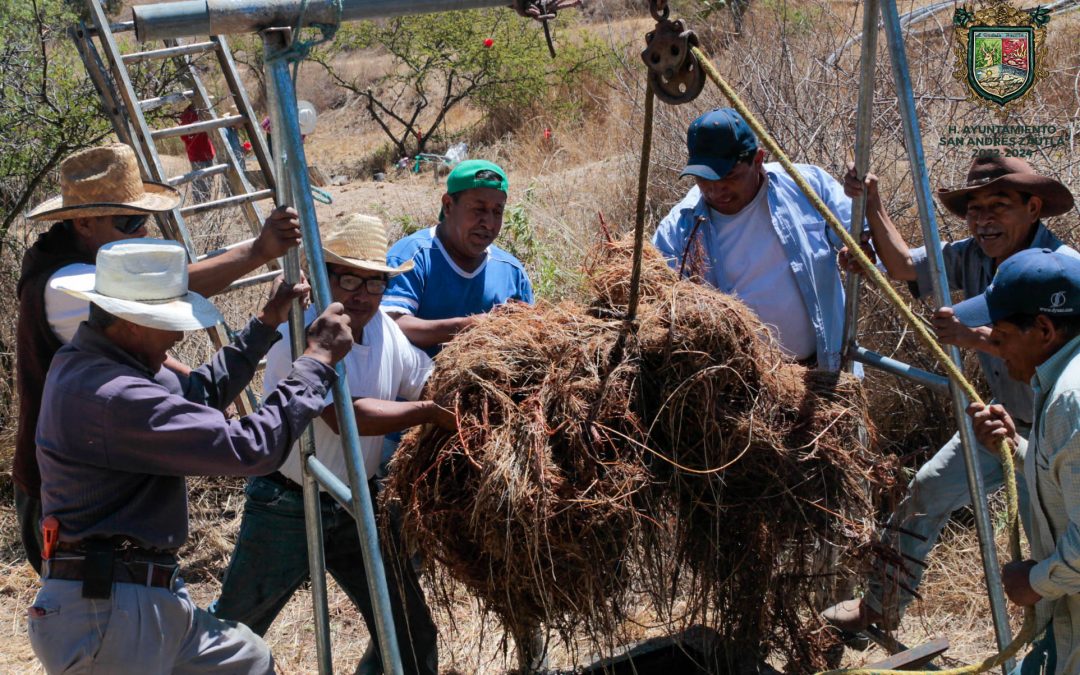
[1034, 281]
[717, 141]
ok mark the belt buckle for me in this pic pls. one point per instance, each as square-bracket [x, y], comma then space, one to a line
[150, 566]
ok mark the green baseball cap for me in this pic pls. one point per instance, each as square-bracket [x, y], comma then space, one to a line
[476, 173]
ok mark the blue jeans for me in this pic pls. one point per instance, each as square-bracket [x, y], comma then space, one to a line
[270, 562]
[939, 488]
[1042, 659]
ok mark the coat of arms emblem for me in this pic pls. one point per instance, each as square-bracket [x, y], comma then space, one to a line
[1001, 52]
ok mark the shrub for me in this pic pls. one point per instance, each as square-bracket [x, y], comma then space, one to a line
[494, 60]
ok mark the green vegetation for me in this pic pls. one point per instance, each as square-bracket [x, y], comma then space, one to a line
[48, 107]
[551, 276]
[493, 59]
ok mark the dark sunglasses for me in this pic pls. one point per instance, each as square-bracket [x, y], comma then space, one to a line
[130, 224]
[351, 283]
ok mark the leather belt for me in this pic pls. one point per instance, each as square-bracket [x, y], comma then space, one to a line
[280, 479]
[144, 573]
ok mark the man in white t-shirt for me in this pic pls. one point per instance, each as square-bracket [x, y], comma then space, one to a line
[270, 560]
[748, 230]
[103, 199]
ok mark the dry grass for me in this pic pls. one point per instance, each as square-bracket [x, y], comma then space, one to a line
[685, 457]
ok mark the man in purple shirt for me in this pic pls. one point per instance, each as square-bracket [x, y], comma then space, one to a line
[103, 198]
[115, 439]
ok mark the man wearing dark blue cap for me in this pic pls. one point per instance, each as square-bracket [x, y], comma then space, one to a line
[1003, 202]
[748, 230]
[1034, 308]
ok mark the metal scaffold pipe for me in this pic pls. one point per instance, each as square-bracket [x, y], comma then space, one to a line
[190, 18]
[913, 141]
[274, 42]
[863, 140]
[290, 159]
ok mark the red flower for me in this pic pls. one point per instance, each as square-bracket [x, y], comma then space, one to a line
[488, 42]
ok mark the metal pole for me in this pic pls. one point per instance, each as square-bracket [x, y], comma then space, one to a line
[296, 165]
[190, 18]
[863, 129]
[913, 141]
[900, 369]
[274, 41]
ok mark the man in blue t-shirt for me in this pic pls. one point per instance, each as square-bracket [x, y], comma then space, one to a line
[457, 269]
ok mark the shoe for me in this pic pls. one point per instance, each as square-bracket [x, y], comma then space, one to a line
[851, 616]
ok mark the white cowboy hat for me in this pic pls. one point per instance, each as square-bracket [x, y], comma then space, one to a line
[359, 242]
[104, 181]
[144, 281]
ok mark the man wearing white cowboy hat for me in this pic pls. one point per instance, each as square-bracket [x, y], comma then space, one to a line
[103, 198]
[1003, 203]
[386, 377]
[117, 435]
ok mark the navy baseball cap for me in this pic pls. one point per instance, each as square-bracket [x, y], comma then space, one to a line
[1034, 281]
[717, 141]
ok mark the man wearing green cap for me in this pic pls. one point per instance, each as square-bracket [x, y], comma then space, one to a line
[457, 269]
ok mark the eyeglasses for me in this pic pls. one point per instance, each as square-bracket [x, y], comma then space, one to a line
[351, 283]
[130, 224]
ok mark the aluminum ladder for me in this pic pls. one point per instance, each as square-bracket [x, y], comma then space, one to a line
[128, 113]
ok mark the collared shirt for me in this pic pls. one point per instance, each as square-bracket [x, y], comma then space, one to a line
[436, 288]
[114, 444]
[1051, 461]
[384, 366]
[970, 271]
[807, 240]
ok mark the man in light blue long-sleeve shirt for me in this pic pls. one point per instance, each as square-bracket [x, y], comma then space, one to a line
[747, 229]
[1034, 308]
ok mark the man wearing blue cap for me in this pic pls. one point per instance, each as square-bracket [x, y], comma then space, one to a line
[1034, 308]
[1002, 202]
[748, 230]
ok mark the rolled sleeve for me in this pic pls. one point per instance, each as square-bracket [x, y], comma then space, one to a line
[954, 258]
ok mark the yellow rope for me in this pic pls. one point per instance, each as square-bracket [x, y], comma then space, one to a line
[1027, 631]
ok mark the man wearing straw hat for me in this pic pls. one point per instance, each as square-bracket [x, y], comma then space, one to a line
[116, 437]
[748, 229]
[1003, 203]
[457, 270]
[103, 198]
[386, 377]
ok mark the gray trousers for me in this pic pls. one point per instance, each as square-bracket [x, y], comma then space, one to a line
[939, 488]
[139, 630]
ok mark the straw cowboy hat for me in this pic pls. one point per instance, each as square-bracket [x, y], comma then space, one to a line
[144, 281]
[359, 242]
[104, 181]
[1008, 173]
